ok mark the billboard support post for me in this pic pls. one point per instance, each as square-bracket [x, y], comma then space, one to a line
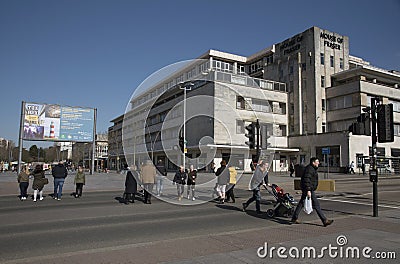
[21, 134]
[94, 140]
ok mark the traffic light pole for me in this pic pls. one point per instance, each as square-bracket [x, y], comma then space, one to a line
[374, 171]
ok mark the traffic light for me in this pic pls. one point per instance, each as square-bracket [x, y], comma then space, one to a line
[181, 144]
[181, 141]
[385, 123]
[251, 134]
[362, 126]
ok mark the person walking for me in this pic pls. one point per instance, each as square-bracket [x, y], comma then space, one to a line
[352, 167]
[309, 183]
[191, 182]
[231, 185]
[260, 177]
[222, 180]
[160, 177]
[79, 181]
[130, 185]
[59, 173]
[38, 182]
[23, 180]
[291, 169]
[180, 181]
[148, 176]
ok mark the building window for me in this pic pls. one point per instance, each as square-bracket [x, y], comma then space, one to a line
[322, 59]
[332, 61]
[322, 81]
[304, 128]
[291, 70]
[341, 63]
[323, 127]
[240, 103]
[240, 127]
[303, 67]
[396, 129]
[241, 69]
[323, 105]
[291, 88]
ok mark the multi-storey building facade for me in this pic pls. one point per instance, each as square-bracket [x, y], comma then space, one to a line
[305, 91]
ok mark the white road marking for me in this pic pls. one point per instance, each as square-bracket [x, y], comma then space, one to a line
[351, 202]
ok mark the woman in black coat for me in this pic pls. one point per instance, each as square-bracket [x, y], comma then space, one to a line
[130, 186]
[38, 182]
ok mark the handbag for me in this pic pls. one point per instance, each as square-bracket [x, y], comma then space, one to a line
[308, 206]
[45, 181]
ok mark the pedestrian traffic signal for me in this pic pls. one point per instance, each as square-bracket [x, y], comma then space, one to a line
[385, 123]
[181, 143]
[251, 134]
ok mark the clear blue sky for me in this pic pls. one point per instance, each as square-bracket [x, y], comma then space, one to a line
[94, 53]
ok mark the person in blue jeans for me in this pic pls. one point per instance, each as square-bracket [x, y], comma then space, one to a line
[160, 177]
[260, 177]
[59, 173]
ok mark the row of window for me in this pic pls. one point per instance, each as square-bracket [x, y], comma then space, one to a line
[259, 105]
[331, 61]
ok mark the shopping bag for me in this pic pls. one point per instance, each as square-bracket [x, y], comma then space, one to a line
[308, 206]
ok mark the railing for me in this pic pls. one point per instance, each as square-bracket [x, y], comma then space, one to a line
[245, 80]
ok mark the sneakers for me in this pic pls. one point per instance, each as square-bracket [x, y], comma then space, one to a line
[295, 221]
[244, 207]
[58, 199]
[188, 197]
[41, 198]
[193, 199]
[327, 222]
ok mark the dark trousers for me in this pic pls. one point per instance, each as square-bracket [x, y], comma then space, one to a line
[256, 197]
[229, 194]
[23, 187]
[148, 188]
[79, 188]
[315, 205]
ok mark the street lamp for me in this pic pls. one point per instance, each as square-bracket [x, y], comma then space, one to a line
[186, 86]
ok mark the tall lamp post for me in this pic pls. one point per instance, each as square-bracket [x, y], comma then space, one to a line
[186, 86]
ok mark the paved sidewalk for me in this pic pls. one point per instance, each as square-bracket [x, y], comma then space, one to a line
[116, 181]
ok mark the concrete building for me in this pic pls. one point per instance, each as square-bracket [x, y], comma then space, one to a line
[305, 91]
[116, 158]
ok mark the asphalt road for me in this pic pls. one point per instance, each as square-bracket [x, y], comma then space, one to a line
[99, 222]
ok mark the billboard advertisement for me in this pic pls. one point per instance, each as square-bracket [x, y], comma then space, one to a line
[58, 123]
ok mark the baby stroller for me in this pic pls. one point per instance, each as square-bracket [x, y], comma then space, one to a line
[285, 204]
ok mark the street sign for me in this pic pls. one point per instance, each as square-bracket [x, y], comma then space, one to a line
[326, 151]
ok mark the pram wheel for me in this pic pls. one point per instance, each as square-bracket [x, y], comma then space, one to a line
[270, 213]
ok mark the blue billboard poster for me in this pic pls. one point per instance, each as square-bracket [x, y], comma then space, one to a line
[58, 123]
[76, 124]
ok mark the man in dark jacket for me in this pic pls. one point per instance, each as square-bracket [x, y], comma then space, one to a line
[59, 173]
[309, 183]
